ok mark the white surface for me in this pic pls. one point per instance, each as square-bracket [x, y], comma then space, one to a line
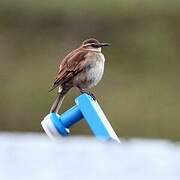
[35, 157]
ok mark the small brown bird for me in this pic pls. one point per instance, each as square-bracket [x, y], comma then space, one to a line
[82, 68]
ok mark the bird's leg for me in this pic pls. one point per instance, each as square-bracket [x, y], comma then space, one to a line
[87, 92]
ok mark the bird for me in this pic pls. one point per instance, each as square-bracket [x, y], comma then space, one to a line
[82, 68]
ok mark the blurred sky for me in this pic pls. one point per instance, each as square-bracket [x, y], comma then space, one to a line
[140, 88]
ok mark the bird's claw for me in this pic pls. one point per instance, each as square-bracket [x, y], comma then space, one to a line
[90, 94]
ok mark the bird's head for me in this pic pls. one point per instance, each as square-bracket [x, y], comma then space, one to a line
[93, 44]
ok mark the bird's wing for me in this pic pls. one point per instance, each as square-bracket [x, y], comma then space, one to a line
[71, 65]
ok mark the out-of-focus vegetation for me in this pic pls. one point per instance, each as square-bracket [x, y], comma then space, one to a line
[140, 90]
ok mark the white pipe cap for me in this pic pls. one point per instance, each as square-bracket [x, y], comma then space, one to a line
[49, 127]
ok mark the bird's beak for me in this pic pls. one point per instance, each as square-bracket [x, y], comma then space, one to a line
[103, 44]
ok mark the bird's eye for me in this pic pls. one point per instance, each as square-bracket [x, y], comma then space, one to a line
[94, 45]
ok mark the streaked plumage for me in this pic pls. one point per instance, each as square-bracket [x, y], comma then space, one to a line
[82, 68]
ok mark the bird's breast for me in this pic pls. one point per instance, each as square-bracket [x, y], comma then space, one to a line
[94, 69]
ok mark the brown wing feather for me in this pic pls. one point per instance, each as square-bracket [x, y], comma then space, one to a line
[71, 65]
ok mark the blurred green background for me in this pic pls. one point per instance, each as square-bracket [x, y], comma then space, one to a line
[140, 90]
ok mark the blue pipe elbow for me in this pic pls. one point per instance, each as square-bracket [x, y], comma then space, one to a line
[85, 108]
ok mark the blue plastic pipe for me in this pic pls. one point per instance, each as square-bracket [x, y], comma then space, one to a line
[88, 109]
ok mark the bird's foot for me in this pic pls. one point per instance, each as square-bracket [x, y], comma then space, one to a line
[90, 94]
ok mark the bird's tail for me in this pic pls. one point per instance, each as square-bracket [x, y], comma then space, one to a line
[58, 101]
